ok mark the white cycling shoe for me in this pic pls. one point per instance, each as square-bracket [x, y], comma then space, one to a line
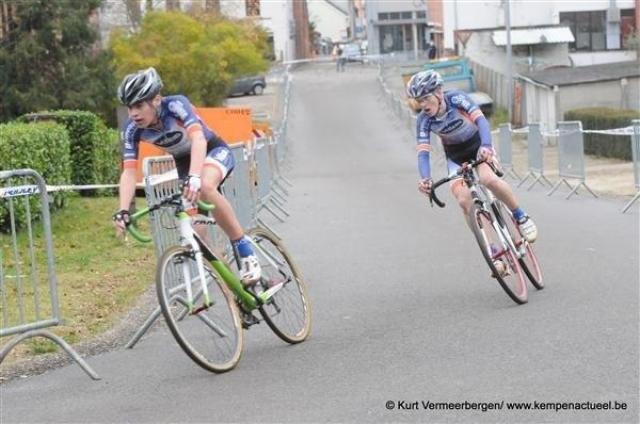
[250, 270]
[528, 229]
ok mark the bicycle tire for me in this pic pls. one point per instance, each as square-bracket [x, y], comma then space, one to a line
[192, 331]
[480, 222]
[277, 312]
[529, 262]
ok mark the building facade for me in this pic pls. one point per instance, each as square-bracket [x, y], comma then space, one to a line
[397, 26]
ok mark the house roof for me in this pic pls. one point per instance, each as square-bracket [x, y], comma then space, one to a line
[527, 36]
[585, 74]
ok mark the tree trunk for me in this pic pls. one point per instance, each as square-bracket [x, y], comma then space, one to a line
[173, 4]
[212, 6]
[133, 12]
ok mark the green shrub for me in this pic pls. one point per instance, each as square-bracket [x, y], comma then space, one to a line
[94, 148]
[43, 147]
[613, 146]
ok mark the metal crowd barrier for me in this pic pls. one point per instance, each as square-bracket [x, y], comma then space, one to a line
[571, 157]
[505, 151]
[535, 157]
[28, 283]
[635, 156]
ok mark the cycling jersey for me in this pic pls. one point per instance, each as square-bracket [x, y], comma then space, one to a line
[460, 130]
[179, 120]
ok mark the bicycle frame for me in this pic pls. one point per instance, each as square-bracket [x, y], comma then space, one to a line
[468, 175]
[498, 222]
[248, 300]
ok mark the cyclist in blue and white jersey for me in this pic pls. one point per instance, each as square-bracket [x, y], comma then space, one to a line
[202, 158]
[465, 134]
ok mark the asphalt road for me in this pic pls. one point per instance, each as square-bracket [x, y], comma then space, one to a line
[404, 309]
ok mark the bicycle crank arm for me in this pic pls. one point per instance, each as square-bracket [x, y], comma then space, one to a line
[199, 309]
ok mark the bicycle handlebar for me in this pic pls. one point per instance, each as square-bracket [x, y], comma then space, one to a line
[466, 166]
[175, 199]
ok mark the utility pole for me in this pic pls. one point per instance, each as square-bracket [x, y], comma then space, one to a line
[507, 21]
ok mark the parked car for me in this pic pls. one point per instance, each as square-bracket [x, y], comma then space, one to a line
[352, 53]
[248, 85]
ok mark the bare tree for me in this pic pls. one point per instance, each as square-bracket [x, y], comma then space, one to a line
[253, 7]
[173, 4]
[212, 6]
[133, 12]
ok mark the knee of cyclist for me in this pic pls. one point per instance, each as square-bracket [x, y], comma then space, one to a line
[208, 189]
[490, 182]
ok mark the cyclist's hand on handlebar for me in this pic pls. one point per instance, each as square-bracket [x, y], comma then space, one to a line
[424, 186]
[191, 190]
[486, 153]
[120, 221]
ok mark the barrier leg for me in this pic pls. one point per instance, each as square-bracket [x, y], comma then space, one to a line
[153, 316]
[526, 177]
[56, 339]
[575, 191]
[631, 202]
[265, 206]
[264, 224]
[280, 208]
[555, 187]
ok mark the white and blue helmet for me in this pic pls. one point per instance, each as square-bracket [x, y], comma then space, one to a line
[139, 86]
[423, 83]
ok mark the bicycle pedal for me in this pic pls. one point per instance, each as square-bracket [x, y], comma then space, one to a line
[248, 319]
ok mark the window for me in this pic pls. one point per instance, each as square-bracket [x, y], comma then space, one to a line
[394, 15]
[383, 16]
[627, 27]
[406, 15]
[421, 15]
[588, 28]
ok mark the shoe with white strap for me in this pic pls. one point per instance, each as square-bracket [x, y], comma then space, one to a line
[528, 228]
[250, 270]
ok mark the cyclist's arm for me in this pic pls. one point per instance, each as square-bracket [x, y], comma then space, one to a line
[198, 149]
[127, 187]
[485, 130]
[423, 148]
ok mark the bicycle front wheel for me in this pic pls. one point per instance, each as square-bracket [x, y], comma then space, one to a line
[213, 336]
[528, 260]
[510, 276]
[288, 311]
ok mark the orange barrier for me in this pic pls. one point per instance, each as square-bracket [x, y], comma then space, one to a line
[232, 124]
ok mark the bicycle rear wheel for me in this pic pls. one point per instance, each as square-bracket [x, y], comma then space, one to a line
[213, 337]
[512, 281]
[529, 260]
[288, 312]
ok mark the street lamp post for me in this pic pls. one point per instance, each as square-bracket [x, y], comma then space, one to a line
[507, 21]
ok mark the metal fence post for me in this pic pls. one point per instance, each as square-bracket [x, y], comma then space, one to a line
[25, 316]
[571, 157]
[535, 157]
[635, 155]
[505, 149]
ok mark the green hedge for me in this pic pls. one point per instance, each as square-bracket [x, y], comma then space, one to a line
[613, 146]
[95, 150]
[43, 147]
